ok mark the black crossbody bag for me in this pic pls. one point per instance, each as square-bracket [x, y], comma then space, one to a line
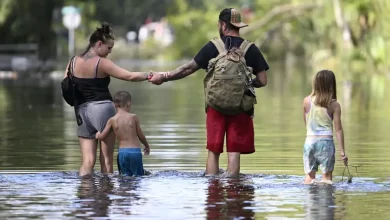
[69, 92]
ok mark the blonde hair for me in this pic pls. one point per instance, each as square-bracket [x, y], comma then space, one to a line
[324, 88]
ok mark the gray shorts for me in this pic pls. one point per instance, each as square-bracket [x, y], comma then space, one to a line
[95, 116]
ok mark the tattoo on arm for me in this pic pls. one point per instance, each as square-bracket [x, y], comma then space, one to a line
[182, 71]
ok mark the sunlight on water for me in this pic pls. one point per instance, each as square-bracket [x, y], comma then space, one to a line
[185, 195]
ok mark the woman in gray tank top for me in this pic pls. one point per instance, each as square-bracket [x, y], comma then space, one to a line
[92, 72]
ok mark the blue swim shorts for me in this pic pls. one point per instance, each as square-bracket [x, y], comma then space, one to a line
[130, 162]
[318, 152]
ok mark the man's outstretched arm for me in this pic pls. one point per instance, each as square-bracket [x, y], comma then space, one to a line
[182, 71]
[179, 73]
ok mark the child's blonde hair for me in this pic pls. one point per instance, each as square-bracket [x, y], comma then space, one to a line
[324, 88]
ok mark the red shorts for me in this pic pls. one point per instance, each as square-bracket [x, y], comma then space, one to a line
[238, 128]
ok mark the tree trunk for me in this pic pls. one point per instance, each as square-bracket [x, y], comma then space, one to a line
[343, 25]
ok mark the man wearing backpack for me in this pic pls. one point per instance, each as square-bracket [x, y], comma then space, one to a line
[230, 62]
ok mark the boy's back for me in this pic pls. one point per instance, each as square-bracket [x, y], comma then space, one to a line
[126, 128]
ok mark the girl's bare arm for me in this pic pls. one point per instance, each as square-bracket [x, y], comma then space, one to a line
[305, 106]
[339, 130]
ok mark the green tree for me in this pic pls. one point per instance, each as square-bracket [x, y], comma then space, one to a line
[29, 21]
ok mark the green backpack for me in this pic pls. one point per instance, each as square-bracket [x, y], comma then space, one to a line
[227, 84]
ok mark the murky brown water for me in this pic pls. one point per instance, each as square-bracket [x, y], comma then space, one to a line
[37, 133]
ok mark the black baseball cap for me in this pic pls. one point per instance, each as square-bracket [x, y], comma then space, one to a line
[232, 16]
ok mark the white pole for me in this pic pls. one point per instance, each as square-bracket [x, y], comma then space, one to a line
[71, 42]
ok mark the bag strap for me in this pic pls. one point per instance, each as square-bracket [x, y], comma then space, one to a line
[97, 66]
[76, 102]
[245, 46]
[71, 66]
[219, 44]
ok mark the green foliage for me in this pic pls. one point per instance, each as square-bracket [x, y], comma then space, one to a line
[194, 25]
[28, 21]
[312, 32]
[5, 9]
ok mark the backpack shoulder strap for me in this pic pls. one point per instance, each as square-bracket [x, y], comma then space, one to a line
[219, 44]
[245, 46]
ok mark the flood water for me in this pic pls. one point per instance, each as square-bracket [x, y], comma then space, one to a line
[40, 156]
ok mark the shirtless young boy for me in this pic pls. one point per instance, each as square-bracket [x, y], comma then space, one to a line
[128, 131]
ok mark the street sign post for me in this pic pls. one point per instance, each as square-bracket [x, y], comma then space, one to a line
[71, 20]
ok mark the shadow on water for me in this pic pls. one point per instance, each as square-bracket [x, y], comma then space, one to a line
[126, 195]
[105, 196]
[93, 196]
[229, 199]
[320, 202]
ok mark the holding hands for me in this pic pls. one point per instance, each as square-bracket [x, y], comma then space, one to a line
[158, 78]
[98, 134]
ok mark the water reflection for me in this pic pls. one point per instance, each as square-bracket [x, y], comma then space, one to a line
[127, 195]
[37, 133]
[94, 197]
[30, 128]
[320, 202]
[229, 199]
[183, 195]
